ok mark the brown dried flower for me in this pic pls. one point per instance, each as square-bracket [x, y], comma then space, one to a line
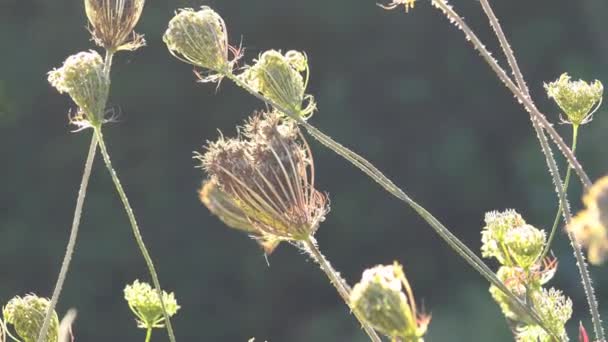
[112, 23]
[223, 206]
[269, 174]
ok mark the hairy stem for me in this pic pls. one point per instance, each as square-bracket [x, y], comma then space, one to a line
[522, 93]
[370, 170]
[558, 215]
[336, 280]
[521, 97]
[69, 251]
[135, 227]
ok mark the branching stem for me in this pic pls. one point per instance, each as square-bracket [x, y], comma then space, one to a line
[135, 227]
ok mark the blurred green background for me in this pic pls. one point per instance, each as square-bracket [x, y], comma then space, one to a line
[406, 91]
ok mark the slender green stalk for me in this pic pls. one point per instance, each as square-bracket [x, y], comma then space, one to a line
[69, 251]
[558, 215]
[135, 227]
[369, 169]
[538, 119]
[149, 335]
[310, 245]
[525, 100]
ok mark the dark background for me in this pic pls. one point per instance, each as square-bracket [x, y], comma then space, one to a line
[406, 91]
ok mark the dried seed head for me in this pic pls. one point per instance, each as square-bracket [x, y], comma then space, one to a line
[82, 76]
[223, 206]
[493, 234]
[27, 314]
[112, 23]
[590, 226]
[145, 304]
[269, 174]
[384, 299]
[578, 99]
[279, 78]
[200, 38]
[524, 245]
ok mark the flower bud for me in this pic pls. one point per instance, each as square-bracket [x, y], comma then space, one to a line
[269, 174]
[279, 78]
[577, 99]
[27, 314]
[145, 304]
[493, 234]
[524, 245]
[379, 299]
[83, 77]
[112, 23]
[226, 209]
[200, 38]
[590, 226]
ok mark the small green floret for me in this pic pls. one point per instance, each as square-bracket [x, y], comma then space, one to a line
[27, 314]
[494, 232]
[577, 99]
[555, 309]
[145, 304]
[525, 244]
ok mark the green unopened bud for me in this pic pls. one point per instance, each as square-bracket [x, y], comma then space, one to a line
[83, 77]
[525, 244]
[200, 38]
[279, 78]
[113, 21]
[554, 309]
[145, 304]
[493, 234]
[577, 99]
[379, 299]
[27, 314]
[227, 210]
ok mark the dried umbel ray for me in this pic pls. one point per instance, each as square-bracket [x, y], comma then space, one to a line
[269, 173]
[112, 23]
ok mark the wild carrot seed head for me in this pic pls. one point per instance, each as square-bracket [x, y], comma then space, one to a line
[269, 174]
[283, 79]
[145, 304]
[577, 99]
[112, 23]
[27, 314]
[82, 76]
[200, 38]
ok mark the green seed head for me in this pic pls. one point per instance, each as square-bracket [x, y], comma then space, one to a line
[82, 76]
[577, 99]
[27, 314]
[525, 244]
[145, 304]
[380, 300]
[279, 78]
[112, 23]
[555, 310]
[200, 38]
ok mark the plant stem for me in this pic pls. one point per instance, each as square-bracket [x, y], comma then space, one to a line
[538, 119]
[149, 335]
[369, 169]
[558, 215]
[310, 245]
[135, 228]
[521, 97]
[69, 251]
